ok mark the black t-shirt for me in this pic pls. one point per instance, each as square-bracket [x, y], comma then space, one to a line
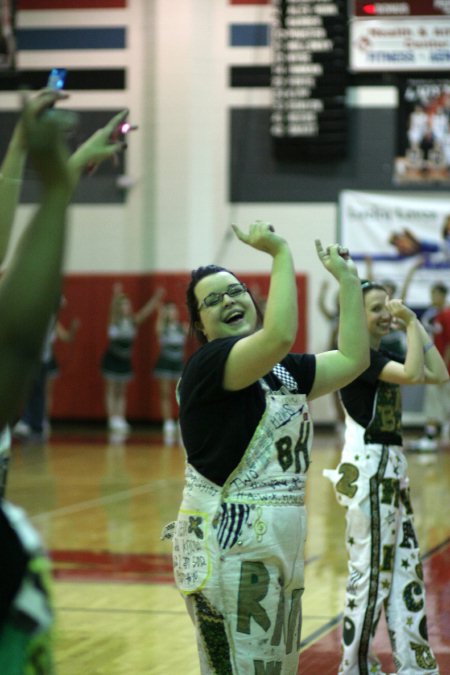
[374, 404]
[217, 425]
[13, 563]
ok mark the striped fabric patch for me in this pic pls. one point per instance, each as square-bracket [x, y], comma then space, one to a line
[70, 38]
[232, 520]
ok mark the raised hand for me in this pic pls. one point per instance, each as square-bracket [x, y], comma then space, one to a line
[336, 259]
[98, 147]
[34, 106]
[261, 236]
[42, 129]
[398, 310]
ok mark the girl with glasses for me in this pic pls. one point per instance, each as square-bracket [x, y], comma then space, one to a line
[239, 537]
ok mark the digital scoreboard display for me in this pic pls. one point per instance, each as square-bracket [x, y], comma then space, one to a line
[403, 36]
[309, 78]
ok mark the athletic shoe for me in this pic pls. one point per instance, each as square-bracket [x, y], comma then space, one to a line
[424, 444]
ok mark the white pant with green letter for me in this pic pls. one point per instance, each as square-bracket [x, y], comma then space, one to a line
[239, 549]
[385, 569]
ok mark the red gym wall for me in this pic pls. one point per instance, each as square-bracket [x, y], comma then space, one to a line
[78, 390]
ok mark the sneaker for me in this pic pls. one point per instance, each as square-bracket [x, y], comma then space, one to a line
[425, 444]
[22, 430]
[169, 432]
[118, 424]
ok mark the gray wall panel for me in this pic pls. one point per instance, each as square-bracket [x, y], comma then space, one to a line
[256, 175]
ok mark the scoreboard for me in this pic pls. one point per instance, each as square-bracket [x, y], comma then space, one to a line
[309, 78]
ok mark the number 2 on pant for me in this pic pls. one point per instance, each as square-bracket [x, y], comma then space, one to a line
[350, 475]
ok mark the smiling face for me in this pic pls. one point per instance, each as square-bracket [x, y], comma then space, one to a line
[231, 315]
[377, 316]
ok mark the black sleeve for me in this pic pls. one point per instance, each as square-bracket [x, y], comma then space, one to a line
[303, 369]
[378, 360]
[202, 377]
[13, 563]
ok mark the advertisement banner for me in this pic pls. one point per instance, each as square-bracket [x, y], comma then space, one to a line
[406, 44]
[392, 237]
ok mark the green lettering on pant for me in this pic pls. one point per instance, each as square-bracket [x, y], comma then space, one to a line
[390, 491]
[284, 452]
[413, 596]
[253, 586]
[294, 621]
[270, 668]
[409, 536]
[424, 656]
[387, 561]
[405, 496]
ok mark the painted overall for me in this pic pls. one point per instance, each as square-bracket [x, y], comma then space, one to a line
[239, 549]
[384, 561]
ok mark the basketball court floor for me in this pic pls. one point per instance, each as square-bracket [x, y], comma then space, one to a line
[100, 503]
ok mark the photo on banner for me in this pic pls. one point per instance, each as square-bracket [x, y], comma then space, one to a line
[392, 237]
[423, 147]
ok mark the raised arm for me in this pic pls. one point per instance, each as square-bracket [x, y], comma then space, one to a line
[423, 363]
[336, 368]
[98, 147]
[150, 306]
[30, 288]
[409, 277]
[11, 172]
[67, 334]
[255, 355]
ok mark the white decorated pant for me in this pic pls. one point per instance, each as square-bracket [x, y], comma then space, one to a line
[384, 563]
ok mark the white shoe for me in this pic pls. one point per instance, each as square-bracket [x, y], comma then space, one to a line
[425, 444]
[22, 429]
[117, 423]
[169, 432]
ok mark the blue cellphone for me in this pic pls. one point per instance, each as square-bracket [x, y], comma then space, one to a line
[57, 78]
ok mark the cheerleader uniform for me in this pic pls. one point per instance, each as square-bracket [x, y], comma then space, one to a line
[170, 361]
[116, 362]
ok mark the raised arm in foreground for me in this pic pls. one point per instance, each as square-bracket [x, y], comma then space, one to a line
[336, 368]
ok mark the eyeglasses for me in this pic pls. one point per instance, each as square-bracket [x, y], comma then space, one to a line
[212, 299]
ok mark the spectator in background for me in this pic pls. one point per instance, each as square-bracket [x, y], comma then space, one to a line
[171, 334]
[116, 364]
[436, 320]
[34, 422]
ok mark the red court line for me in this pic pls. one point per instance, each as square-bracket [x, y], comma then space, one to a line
[107, 566]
